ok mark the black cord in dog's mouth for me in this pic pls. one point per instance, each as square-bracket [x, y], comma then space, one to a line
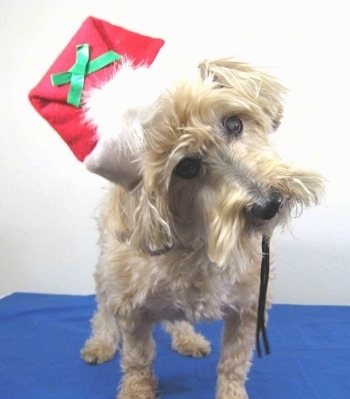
[264, 280]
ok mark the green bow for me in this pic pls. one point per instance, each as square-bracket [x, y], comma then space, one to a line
[82, 67]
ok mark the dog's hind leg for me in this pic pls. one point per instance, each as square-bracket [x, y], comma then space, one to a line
[103, 343]
[186, 341]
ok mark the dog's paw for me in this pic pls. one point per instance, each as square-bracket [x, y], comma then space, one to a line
[236, 394]
[229, 390]
[138, 384]
[194, 345]
[95, 352]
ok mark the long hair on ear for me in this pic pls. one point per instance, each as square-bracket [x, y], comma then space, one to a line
[139, 218]
[151, 229]
[249, 82]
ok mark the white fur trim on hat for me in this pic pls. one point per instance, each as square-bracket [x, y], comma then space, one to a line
[119, 109]
[121, 106]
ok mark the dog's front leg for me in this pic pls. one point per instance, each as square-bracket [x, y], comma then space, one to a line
[138, 353]
[236, 353]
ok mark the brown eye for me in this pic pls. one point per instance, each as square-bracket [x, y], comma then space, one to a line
[233, 125]
[188, 168]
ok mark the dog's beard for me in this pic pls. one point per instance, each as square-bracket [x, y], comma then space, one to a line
[228, 229]
[233, 231]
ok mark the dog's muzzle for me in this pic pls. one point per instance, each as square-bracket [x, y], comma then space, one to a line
[268, 206]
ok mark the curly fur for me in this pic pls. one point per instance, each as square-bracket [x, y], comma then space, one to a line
[179, 250]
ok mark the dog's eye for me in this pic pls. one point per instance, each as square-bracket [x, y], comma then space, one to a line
[233, 125]
[188, 168]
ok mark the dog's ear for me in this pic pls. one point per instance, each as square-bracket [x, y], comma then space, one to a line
[152, 232]
[254, 84]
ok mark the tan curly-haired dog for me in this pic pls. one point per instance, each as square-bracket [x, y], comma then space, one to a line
[198, 183]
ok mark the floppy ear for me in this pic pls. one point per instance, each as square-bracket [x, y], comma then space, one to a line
[152, 233]
[252, 83]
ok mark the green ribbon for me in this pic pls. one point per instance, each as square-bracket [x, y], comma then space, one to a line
[82, 67]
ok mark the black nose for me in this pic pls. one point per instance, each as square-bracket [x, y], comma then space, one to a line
[268, 206]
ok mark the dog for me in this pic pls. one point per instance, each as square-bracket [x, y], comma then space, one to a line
[181, 230]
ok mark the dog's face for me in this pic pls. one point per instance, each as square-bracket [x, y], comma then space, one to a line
[208, 170]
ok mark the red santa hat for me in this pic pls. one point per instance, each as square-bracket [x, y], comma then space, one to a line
[97, 95]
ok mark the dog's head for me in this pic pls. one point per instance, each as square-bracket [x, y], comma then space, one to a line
[206, 169]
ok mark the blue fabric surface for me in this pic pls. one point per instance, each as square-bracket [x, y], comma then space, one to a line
[41, 336]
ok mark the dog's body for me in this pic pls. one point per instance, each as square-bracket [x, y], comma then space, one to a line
[181, 240]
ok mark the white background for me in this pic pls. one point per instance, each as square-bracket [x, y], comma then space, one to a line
[48, 201]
